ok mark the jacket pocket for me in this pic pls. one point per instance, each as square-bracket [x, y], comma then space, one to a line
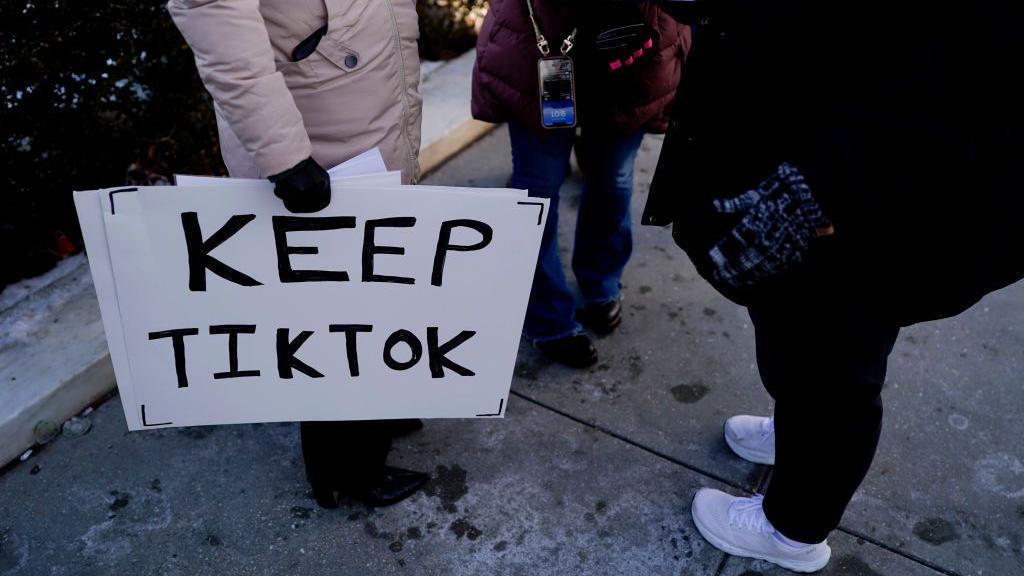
[334, 51]
[359, 37]
[332, 59]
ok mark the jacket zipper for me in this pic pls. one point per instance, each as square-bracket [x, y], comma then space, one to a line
[413, 162]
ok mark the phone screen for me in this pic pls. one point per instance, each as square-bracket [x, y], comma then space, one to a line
[557, 92]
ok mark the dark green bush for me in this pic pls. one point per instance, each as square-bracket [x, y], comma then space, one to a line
[449, 27]
[89, 89]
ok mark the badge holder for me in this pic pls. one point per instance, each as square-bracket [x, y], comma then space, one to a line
[557, 92]
[556, 79]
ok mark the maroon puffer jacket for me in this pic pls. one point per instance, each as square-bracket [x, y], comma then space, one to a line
[634, 98]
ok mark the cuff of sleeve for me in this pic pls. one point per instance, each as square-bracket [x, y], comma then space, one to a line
[283, 155]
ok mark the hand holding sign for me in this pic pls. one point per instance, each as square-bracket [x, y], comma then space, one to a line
[306, 187]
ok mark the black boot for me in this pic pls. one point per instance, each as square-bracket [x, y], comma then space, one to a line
[325, 497]
[602, 318]
[348, 457]
[575, 351]
[389, 487]
[337, 452]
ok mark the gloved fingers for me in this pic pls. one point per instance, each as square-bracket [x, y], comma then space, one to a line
[780, 220]
[807, 209]
[304, 188]
[738, 204]
[765, 243]
[310, 201]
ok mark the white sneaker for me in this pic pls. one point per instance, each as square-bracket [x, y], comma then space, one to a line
[739, 527]
[752, 438]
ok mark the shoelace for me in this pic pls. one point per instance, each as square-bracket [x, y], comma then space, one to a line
[746, 513]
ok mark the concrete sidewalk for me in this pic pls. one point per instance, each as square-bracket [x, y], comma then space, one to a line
[591, 472]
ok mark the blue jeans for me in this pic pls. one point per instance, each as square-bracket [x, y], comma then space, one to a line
[604, 237]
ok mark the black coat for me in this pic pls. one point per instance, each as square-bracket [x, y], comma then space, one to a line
[907, 121]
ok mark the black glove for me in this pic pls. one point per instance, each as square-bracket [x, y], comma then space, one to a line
[305, 187]
[777, 221]
[620, 35]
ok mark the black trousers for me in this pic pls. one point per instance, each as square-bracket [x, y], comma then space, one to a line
[822, 356]
[344, 455]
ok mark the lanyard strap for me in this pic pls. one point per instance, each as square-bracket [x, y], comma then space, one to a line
[542, 43]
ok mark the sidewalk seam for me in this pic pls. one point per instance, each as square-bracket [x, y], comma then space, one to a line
[721, 564]
[766, 477]
[907, 556]
[634, 443]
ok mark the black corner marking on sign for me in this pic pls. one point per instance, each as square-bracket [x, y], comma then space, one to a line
[147, 424]
[118, 191]
[540, 217]
[501, 404]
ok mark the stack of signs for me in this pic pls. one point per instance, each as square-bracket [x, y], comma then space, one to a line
[396, 301]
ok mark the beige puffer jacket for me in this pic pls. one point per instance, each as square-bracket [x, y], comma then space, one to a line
[359, 89]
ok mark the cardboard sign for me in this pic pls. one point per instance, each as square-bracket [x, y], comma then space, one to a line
[396, 301]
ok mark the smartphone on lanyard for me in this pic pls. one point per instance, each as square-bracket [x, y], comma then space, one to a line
[557, 92]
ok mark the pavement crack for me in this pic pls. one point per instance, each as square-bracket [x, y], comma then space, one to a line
[892, 550]
[721, 564]
[634, 443]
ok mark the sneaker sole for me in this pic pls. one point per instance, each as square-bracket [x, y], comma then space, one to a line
[748, 455]
[795, 566]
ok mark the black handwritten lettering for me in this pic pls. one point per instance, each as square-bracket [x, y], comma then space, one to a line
[178, 343]
[437, 354]
[233, 330]
[285, 224]
[286, 350]
[370, 249]
[351, 332]
[444, 244]
[410, 340]
[199, 259]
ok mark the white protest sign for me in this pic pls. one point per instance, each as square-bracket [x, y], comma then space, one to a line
[394, 302]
